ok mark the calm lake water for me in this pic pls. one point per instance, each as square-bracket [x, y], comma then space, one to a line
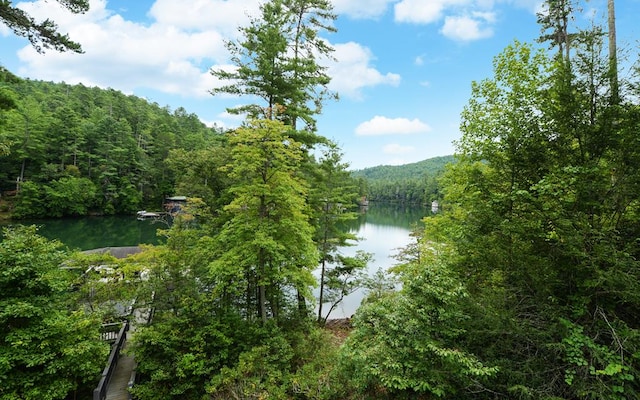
[383, 230]
[95, 232]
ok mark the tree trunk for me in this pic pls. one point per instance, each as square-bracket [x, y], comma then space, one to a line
[613, 57]
[302, 303]
[262, 303]
[322, 274]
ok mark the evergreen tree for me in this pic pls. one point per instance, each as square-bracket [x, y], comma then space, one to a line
[276, 61]
[334, 196]
[265, 249]
[42, 35]
[539, 230]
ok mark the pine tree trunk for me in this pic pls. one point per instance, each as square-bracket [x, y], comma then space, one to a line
[613, 57]
[263, 303]
[321, 300]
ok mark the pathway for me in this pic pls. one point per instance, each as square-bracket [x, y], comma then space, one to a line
[118, 388]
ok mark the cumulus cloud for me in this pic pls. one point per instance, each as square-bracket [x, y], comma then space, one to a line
[361, 9]
[222, 15]
[395, 148]
[425, 12]
[173, 50]
[172, 53]
[468, 28]
[380, 125]
[352, 71]
[464, 20]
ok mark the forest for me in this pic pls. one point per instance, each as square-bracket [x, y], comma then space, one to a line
[72, 150]
[415, 183]
[523, 287]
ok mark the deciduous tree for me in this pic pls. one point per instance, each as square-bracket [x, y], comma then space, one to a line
[48, 347]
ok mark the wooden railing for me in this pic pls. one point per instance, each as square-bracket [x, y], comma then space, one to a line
[110, 332]
[100, 392]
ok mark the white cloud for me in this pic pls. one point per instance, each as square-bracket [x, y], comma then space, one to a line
[380, 125]
[427, 12]
[464, 20]
[173, 51]
[238, 118]
[467, 28]
[419, 11]
[486, 16]
[222, 15]
[4, 30]
[351, 72]
[126, 55]
[361, 9]
[395, 148]
[42, 9]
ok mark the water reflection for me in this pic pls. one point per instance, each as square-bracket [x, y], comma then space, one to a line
[399, 216]
[383, 230]
[95, 232]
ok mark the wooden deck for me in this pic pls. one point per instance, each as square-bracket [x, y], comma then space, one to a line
[119, 385]
[118, 388]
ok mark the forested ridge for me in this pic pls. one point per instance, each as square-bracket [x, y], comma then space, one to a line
[414, 183]
[74, 150]
[525, 286]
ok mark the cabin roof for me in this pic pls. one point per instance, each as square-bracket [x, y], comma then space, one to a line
[177, 198]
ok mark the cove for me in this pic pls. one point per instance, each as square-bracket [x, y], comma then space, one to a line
[95, 232]
[383, 229]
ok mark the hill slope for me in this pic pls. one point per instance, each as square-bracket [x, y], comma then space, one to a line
[415, 183]
[74, 150]
[429, 167]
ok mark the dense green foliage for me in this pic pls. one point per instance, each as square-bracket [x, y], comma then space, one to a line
[49, 347]
[266, 247]
[415, 183]
[276, 60]
[524, 287]
[429, 167]
[238, 281]
[74, 150]
[207, 337]
[551, 219]
[541, 229]
[407, 343]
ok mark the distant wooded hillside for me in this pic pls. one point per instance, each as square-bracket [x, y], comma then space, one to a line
[409, 183]
[73, 150]
[428, 167]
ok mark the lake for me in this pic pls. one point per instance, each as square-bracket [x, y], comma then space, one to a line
[96, 232]
[383, 230]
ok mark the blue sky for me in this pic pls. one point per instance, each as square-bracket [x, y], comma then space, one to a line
[403, 68]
